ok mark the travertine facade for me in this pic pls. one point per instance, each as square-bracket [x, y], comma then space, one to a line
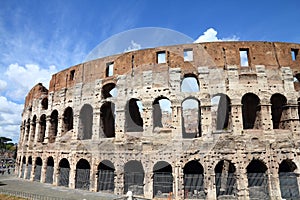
[213, 120]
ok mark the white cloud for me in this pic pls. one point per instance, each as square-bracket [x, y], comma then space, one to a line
[23, 78]
[133, 46]
[10, 115]
[210, 35]
[3, 85]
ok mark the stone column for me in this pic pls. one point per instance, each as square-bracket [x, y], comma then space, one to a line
[72, 176]
[55, 174]
[75, 125]
[93, 176]
[237, 116]
[59, 127]
[242, 183]
[273, 184]
[43, 171]
[37, 132]
[205, 117]
[119, 183]
[31, 133]
[48, 129]
[209, 184]
[96, 124]
[147, 117]
[266, 118]
[148, 188]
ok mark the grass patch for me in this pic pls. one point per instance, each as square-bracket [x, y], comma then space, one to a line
[7, 197]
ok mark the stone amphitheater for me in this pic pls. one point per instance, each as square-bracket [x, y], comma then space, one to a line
[215, 120]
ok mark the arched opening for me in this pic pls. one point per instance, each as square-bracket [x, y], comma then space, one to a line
[109, 90]
[23, 131]
[297, 82]
[251, 111]
[278, 102]
[134, 121]
[257, 180]
[82, 179]
[64, 172]
[162, 113]
[298, 108]
[189, 83]
[42, 128]
[67, 120]
[23, 167]
[162, 180]
[49, 170]
[191, 118]
[33, 128]
[106, 175]
[134, 177]
[38, 169]
[86, 122]
[221, 112]
[193, 180]
[44, 103]
[108, 119]
[29, 167]
[225, 179]
[54, 125]
[288, 180]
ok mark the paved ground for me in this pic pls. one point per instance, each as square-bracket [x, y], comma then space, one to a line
[10, 182]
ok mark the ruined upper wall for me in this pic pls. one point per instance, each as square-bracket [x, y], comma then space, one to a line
[37, 91]
[210, 54]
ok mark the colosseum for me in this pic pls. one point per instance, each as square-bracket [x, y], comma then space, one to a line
[214, 120]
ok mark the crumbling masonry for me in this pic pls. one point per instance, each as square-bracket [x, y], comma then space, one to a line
[215, 120]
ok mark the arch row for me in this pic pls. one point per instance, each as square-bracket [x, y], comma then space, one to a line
[276, 112]
[104, 176]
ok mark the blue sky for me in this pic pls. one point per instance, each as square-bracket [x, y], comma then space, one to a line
[39, 38]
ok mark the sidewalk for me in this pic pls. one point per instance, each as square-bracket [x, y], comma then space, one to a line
[11, 183]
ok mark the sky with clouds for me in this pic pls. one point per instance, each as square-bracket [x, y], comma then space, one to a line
[39, 38]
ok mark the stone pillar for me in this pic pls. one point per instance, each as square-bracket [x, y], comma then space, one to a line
[147, 117]
[75, 125]
[43, 171]
[119, 123]
[209, 184]
[48, 129]
[178, 183]
[266, 119]
[273, 184]
[119, 183]
[237, 116]
[93, 176]
[148, 188]
[72, 176]
[59, 128]
[205, 117]
[242, 184]
[31, 133]
[26, 168]
[37, 132]
[97, 130]
[55, 174]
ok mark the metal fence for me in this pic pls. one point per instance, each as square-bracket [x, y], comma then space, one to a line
[226, 185]
[29, 167]
[194, 186]
[82, 179]
[258, 186]
[162, 184]
[37, 172]
[49, 174]
[28, 195]
[106, 180]
[134, 181]
[289, 185]
[63, 178]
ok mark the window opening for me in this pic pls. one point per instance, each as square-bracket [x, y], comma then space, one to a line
[109, 69]
[161, 57]
[188, 55]
[294, 54]
[244, 57]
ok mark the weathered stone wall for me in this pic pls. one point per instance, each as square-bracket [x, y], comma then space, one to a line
[255, 108]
